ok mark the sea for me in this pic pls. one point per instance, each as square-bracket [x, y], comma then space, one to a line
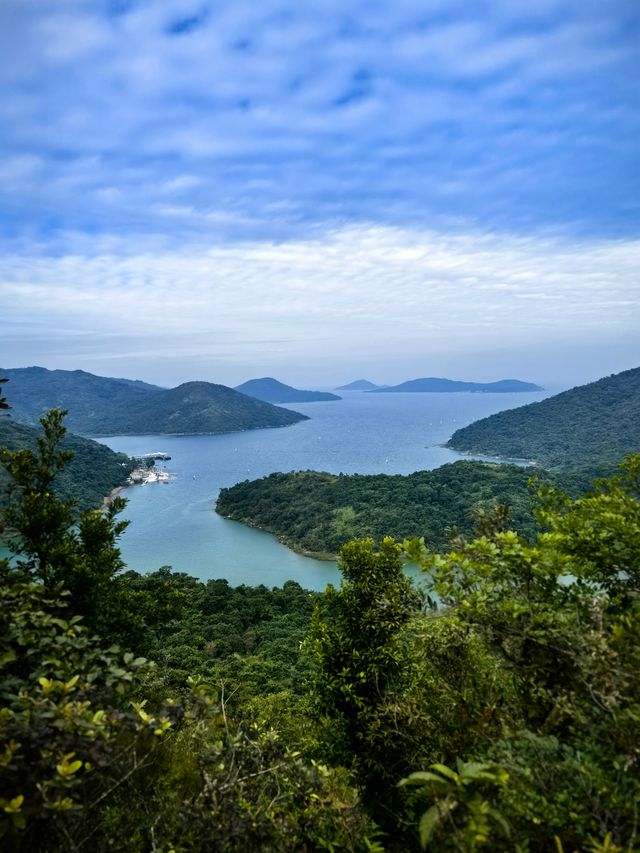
[174, 523]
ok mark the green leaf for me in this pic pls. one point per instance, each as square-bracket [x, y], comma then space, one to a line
[422, 777]
[446, 771]
[432, 817]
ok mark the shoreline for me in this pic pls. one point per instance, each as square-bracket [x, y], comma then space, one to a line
[314, 555]
[106, 500]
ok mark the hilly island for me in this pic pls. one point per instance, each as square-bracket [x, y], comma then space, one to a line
[105, 406]
[434, 384]
[272, 391]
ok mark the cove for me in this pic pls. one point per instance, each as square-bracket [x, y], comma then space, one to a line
[175, 523]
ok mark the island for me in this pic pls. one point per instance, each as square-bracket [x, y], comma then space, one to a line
[433, 384]
[359, 385]
[272, 391]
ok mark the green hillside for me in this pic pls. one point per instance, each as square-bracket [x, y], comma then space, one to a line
[317, 512]
[92, 474]
[103, 406]
[592, 424]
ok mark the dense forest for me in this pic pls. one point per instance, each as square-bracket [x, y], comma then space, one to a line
[590, 425]
[102, 406]
[316, 512]
[159, 713]
[93, 472]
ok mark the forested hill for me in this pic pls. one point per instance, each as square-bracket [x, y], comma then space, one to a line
[272, 391]
[589, 425]
[92, 474]
[316, 512]
[103, 406]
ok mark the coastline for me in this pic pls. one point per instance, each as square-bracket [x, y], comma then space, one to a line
[113, 494]
[314, 555]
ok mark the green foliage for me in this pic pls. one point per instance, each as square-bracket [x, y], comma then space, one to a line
[93, 472]
[317, 512]
[562, 614]
[66, 736]
[90, 752]
[355, 642]
[235, 788]
[51, 544]
[461, 818]
[592, 425]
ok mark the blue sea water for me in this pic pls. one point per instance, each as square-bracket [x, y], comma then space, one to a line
[175, 523]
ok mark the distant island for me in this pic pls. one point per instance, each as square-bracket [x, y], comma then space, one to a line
[588, 425]
[101, 405]
[359, 385]
[271, 391]
[434, 384]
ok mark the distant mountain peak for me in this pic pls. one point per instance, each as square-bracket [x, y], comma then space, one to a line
[271, 390]
[359, 385]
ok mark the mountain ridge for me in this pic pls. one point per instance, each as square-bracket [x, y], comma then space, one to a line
[105, 406]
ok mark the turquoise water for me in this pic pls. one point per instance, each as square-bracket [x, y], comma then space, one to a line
[175, 524]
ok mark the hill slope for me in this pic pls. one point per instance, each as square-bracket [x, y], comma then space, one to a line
[100, 406]
[588, 425]
[92, 474]
[316, 512]
[435, 384]
[271, 391]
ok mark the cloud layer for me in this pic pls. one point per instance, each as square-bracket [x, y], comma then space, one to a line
[373, 290]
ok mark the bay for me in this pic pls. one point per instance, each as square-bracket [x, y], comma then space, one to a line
[175, 524]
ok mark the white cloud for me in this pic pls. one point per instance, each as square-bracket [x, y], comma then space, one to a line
[352, 284]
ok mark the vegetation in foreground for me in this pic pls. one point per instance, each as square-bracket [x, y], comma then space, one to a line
[506, 720]
[92, 473]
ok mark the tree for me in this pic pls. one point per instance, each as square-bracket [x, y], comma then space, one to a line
[355, 643]
[52, 543]
[561, 614]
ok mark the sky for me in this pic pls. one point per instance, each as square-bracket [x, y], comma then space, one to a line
[321, 191]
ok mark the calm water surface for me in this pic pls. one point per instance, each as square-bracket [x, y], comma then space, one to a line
[175, 524]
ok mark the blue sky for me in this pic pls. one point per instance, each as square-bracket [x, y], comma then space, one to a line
[315, 190]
